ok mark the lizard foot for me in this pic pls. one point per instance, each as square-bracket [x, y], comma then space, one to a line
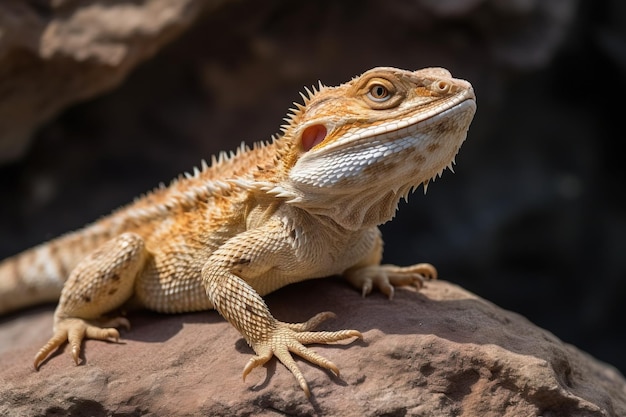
[386, 277]
[287, 338]
[74, 330]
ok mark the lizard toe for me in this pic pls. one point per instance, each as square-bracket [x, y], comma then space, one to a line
[387, 277]
[59, 338]
[288, 338]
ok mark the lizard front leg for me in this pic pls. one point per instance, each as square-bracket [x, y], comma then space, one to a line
[369, 273]
[101, 282]
[259, 255]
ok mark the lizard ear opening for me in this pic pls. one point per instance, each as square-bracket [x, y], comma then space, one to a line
[312, 136]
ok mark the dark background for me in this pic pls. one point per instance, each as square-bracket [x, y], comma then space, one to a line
[533, 220]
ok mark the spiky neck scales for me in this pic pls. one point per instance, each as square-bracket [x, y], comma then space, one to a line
[349, 152]
[352, 152]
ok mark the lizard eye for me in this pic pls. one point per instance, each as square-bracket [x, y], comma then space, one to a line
[378, 93]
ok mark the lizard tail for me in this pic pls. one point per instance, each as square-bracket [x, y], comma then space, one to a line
[37, 275]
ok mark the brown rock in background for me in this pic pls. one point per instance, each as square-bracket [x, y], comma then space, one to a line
[440, 352]
[54, 53]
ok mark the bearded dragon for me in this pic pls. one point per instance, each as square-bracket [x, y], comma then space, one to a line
[306, 204]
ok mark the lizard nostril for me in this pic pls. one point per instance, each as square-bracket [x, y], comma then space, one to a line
[442, 86]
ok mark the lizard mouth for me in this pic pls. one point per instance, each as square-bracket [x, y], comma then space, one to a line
[360, 183]
[390, 129]
[415, 148]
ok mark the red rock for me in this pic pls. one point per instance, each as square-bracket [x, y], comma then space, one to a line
[54, 54]
[442, 351]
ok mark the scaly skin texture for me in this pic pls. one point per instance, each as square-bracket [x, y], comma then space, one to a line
[305, 205]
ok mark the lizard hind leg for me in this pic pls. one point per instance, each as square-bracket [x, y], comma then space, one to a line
[101, 282]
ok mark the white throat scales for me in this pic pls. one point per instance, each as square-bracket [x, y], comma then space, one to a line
[359, 181]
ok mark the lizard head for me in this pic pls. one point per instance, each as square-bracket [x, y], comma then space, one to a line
[352, 152]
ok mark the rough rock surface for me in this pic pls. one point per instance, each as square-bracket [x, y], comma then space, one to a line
[56, 52]
[439, 352]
